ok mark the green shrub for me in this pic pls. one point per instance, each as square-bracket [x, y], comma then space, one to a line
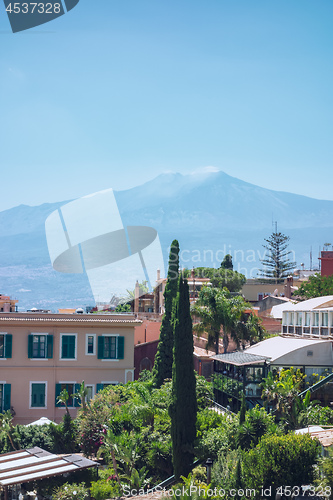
[106, 487]
[36, 435]
[71, 492]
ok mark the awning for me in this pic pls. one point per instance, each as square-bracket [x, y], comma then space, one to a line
[240, 358]
[23, 466]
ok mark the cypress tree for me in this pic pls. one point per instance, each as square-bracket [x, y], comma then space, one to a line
[163, 360]
[183, 407]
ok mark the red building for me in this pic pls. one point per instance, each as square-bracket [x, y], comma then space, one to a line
[326, 263]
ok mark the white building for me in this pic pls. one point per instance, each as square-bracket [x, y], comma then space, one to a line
[311, 318]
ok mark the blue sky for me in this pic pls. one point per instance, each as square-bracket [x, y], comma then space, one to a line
[117, 91]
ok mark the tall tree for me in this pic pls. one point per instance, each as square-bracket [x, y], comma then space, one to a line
[163, 360]
[227, 262]
[277, 264]
[220, 314]
[183, 407]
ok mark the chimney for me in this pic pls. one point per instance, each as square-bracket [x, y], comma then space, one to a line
[288, 286]
[136, 296]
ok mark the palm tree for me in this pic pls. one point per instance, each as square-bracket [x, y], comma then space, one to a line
[250, 329]
[63, 399]
[282, 392]
[82, 394]
[219, 312]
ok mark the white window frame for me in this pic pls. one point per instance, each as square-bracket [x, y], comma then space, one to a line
[93, 391]
[315, 315]
[323, 314]
[307, 315]
[41, 359]
[60, 348]
[30, 394]
[94, 351]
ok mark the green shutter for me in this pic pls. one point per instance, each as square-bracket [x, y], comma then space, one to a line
[71, 345]
[64, 346]
[68, 347]
[8, 345]
[99, 387]
[100, 350]
[6, 397]
[49, 340]
[77, 401]
[30, 341]
[121, 342]
[57, 393]
[37, 395]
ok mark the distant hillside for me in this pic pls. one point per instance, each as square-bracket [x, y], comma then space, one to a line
[211, 214]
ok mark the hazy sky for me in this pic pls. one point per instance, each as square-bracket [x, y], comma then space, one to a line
[117, 91]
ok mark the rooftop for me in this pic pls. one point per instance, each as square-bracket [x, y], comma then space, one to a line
[23, 466]
[276, 347]
[240, 358]
[114, 319]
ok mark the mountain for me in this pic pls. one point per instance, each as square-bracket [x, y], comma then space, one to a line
[210, 213]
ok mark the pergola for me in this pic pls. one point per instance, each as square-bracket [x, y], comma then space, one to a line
[24, 466]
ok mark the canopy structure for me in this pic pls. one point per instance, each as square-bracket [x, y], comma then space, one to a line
[241, 358]
[41, 421]
[24, 466]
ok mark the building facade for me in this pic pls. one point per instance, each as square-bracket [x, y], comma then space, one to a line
[242, 372]
[311, 318]
[42, 354]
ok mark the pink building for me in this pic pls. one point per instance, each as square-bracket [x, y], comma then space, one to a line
[41, 354]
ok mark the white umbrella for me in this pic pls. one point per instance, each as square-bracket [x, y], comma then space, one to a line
[41, 421]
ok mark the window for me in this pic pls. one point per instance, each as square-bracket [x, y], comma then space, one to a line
[5, 345]
[38, 394]
[5, 392]
[91, 344]
[316, 319]
[324, 319]
[291, 318]
[40, 346]
[110, 347]
[307, 319]
[90, 392]
[68, 346]
[299, 319]
[71, 388]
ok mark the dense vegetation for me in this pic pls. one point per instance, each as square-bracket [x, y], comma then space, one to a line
[129, 427]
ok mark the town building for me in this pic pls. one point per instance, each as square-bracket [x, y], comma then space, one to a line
[310, 318]
[42, 354]
[326, 260]
[242, 372]
[7, 304]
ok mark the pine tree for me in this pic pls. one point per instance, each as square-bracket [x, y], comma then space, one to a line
[183, 407]
[277, 265]
[163, 360]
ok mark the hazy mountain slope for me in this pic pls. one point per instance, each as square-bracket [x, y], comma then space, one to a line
[211, 214]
